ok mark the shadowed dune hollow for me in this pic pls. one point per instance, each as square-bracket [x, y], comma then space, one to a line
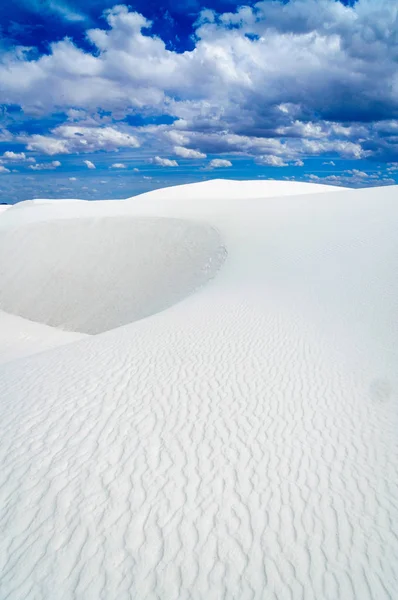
[92, 275]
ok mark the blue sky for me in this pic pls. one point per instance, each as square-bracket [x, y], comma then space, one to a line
[104, 100]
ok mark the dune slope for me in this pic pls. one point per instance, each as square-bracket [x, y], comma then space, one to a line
[91, 275]
[241, 443]
[20, 337]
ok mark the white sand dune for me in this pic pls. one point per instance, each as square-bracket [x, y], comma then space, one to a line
[229, 189]
[240, 442]
[20, 337]
[92, 275]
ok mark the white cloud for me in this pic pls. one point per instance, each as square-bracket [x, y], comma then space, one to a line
[300, 129]
[72, 178]
[4, 169]
[329, 162]
[89, 164]
[178, 137]
[132, 69]
[67, 139]
[227, 90]
[46, 144]
[10, 156]
[188, 152]
[353, 178]
[118, 166]
[224, 142]
[45, 166]
[357, 173]
[299, 163]
[164, 162]
[136, 170]
[218, 163]
[17, 156]
[5, 136]
[342, 147]
[89, 139]
[272, 161]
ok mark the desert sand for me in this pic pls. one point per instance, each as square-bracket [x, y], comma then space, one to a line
[198, 395]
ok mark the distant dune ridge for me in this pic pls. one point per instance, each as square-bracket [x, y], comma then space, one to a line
[228, 428]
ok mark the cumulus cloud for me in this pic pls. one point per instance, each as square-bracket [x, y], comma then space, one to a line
[45, 144]
[345, 148]
[188, 152]
[357, 173]
[89, 164]
[164, 162]
[68, 139]
[89, 139]
[227, 93]
[4, 169]
[218, 163]
[5, 135]
[118, 166]
[10, 156]
[272, 161]
[353, 178]
[45, 166]
[17, 156]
